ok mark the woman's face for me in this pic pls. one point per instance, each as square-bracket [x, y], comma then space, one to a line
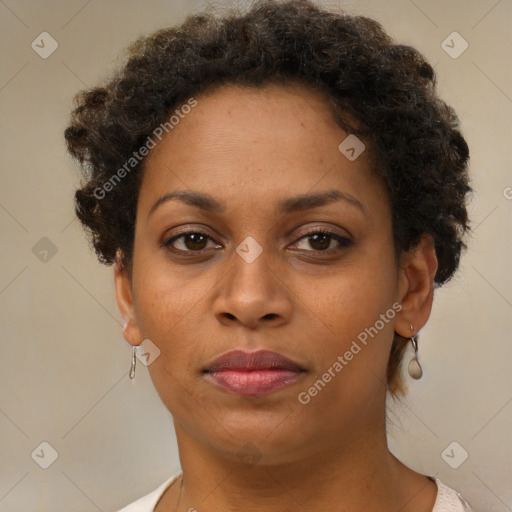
[257, 277]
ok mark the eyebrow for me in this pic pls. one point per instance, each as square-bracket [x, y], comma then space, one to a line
[286, 206]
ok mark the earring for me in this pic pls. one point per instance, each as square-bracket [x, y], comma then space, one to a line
[415, 369]
[134, 360]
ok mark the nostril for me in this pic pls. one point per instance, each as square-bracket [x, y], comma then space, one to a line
[270, 316]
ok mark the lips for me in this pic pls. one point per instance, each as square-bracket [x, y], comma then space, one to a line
[251, 361]
[253, 373]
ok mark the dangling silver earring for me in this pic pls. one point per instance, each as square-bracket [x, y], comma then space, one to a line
[415, 369]
[134, 360]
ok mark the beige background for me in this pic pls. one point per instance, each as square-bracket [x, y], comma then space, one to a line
[64, 362]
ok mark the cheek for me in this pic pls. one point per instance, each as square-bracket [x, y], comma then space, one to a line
[353, 314]
[350, 355]
[357, 320]
[165, 310]
[166, 305]
[353, 298]
[164, 292]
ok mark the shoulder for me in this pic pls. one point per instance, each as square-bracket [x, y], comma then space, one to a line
[449, 500]
[147, 503]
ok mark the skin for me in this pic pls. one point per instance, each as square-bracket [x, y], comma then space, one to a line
[250, 148]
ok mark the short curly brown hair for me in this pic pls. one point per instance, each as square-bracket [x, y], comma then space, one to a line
[386, 89]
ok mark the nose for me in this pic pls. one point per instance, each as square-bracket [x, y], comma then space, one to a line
[253, 294]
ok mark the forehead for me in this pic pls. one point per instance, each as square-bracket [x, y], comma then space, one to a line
[234, 117]
[254, 141]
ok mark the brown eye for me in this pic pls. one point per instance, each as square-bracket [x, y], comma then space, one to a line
[191, 241]
[322, 241]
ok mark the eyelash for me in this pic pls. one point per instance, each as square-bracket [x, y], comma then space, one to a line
[343, 242]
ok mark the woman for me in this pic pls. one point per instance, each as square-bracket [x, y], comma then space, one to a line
[279, 192]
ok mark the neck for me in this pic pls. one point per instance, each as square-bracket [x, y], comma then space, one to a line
[355, 474]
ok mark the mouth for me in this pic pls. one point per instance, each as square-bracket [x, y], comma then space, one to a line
[253, 373]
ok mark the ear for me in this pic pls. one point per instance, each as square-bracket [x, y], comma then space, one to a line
[123, 289]
[416, 287]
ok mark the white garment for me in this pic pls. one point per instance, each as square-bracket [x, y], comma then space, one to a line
[448, 500]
